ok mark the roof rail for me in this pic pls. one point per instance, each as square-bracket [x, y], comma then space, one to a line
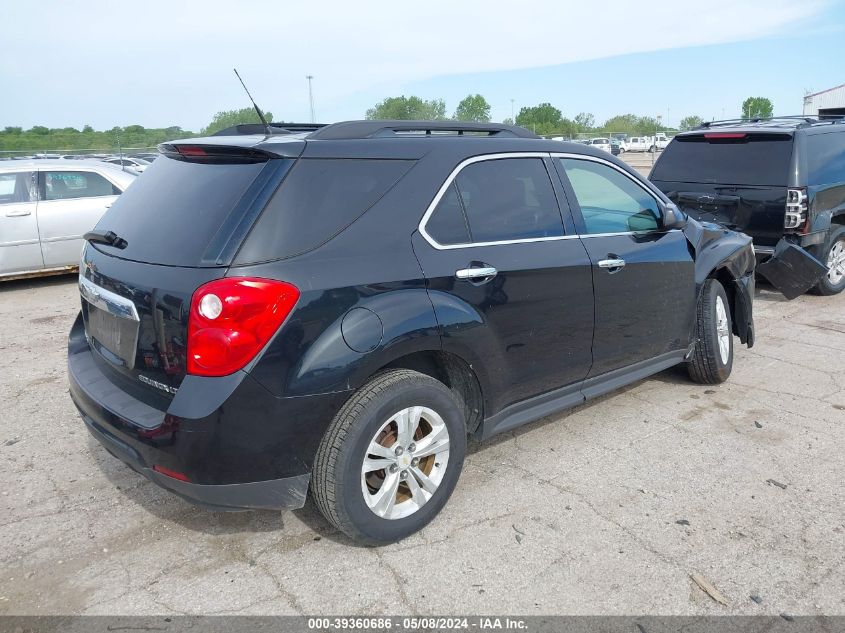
[276, 128]
[799, 120]
[394, 129]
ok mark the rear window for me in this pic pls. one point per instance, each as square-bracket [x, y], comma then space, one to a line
[319, 198]
[753, 159]
[173, 213]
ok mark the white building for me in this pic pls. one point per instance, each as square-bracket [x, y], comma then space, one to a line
[826, 102]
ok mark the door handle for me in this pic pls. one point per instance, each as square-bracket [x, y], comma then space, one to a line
[18, 214]
[613, 265]
[476, 272]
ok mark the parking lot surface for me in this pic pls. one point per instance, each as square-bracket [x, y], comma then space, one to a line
[610, 508]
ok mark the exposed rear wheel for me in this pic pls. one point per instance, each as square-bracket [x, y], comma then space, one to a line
[833, 254]
[391, 458]
[712, 359]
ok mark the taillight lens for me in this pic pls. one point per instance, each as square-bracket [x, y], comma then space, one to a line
[232, 319]
[796, 209]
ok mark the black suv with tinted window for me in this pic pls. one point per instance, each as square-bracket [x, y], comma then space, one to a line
[337, 310]
[780, 180]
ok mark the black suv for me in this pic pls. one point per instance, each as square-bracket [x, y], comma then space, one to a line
[780, 180]
[339, 309]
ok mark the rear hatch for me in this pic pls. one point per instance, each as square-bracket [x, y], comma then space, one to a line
[180, 225]
[737, 179]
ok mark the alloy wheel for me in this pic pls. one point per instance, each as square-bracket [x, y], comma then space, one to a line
[722, 332]
[836, 263]
[405, 462]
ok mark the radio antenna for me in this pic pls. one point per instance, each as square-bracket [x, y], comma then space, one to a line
[254, 105]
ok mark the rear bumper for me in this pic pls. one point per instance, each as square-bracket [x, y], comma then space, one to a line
[247, 449]
[275, 494]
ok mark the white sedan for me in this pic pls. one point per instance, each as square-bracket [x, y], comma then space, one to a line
[46, 206]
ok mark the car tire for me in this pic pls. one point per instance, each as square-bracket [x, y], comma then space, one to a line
[376, 507]
[652, 149]
[832, 254]
[712, 357]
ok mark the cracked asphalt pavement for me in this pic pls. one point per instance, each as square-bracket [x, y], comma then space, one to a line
[607, 509]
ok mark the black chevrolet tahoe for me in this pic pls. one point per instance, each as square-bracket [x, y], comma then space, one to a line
[336, 310]
[780, 180]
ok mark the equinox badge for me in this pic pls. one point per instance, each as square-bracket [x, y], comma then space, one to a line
[157, 384]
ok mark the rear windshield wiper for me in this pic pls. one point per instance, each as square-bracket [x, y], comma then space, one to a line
[109, 238]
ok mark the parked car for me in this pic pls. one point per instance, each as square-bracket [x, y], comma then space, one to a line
[601, 143]
[138, 164]
[147, 156]
[659, 143]
[615, 147]
[781, 181]
[46, 206]
[462, 279]
[622, 142]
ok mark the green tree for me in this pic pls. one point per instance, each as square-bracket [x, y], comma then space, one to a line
[647, 126]
[690, 122]
[584, 121]
[473, 108]
[40, 130]
[542, 119]
[626, 123]
[508, 121]
[87, 129]
[408, 109]
[757, 107]
[228, 118]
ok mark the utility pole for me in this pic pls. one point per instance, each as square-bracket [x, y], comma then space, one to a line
[513, 120]
[311, 96]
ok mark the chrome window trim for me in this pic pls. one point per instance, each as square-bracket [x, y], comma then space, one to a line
[448, 182]
[107, 300]
[485, 157]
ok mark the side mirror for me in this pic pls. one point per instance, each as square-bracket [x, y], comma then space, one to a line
[673, 217]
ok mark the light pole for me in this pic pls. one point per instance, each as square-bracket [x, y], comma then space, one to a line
[513, 120]
[310, 96]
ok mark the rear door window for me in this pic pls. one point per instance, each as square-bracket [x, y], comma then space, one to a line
[508, 199]
[727, 159]
[826, 158]
[318, 199]
[64, 185]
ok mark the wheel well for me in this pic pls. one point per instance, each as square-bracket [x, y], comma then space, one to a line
[455, 373]
[838, 219]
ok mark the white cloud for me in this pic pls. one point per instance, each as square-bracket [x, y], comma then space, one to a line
[184, 51]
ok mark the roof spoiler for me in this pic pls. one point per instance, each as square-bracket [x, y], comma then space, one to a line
[397, 129]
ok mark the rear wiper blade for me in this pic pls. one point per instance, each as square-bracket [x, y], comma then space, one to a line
[109, 238]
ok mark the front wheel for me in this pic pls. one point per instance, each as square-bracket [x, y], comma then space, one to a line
[712, 358]
[391, 457]
[833, 254]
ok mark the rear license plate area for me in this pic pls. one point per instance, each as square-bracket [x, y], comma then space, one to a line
[111, 323]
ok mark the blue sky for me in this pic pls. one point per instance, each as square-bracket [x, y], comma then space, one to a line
[160, 63]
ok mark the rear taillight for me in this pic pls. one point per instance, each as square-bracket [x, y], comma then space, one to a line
[232, 319]
[796, 209]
